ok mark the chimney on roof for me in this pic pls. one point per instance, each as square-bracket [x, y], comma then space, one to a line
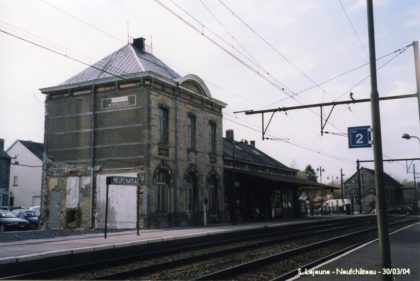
[252, 143]
[230, 135]
[1, 144]
[139, 44]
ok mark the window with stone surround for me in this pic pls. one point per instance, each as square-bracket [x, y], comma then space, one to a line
[212, 137]
[162, 190]
[163, 125]
[191, 132]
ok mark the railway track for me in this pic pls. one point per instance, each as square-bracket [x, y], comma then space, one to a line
[221, 258]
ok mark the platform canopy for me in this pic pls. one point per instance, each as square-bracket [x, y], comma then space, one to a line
[291, 180]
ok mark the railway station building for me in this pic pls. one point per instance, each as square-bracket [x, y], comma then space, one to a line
[258, 187]
[131, 115]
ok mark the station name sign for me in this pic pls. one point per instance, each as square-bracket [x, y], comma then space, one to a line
[122, 180]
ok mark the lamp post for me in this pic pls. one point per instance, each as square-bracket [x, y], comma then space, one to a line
[320, 170]
[407, 137]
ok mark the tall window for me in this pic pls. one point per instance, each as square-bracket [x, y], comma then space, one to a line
[212, 137]
[162, 191]
[212, 184]
[191, 131]
[163, 125]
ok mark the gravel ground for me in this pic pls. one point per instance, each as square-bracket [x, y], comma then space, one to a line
[12, 236]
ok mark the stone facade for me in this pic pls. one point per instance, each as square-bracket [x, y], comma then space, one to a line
[114, 126]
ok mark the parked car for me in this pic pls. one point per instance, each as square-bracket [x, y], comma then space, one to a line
[36, 209]
[335, 206]
[10, 221]
[28, 215]
[400, 210]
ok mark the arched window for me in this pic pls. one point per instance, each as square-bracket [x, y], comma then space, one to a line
[212, 185]
[162, 190]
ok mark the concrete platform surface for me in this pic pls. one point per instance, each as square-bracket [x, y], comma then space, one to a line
[364, 263]
[39, 248]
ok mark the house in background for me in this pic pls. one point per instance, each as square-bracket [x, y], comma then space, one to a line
[365, 190]
[25, 173]
[4, 175]
[131, 115]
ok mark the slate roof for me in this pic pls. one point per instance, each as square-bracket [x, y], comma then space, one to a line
[35, 147]
[249, 154]
[130, 59]
[3, 154]
[387, 178]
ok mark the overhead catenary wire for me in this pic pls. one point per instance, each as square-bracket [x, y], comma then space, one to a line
[271, 46]
[397, 51]
[288, 141]
[266, 76]
[58, 47]
[111, 74]
[59, 53]
[230, 33]
[82, 21]
[367, 56]
[281, 87]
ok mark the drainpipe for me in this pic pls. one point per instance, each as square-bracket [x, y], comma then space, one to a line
[92, 158]
[176, 155]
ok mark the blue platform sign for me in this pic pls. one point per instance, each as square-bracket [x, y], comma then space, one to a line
[359, 137]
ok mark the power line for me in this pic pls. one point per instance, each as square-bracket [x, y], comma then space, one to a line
[271, 46]
[281, 87]
[398, 51]
[203, 26]
[277, 84]
[230, 33]
[59, 53]
[82, 21]
[353, 28]
[288, 141]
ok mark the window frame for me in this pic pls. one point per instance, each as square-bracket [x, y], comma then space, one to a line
[213, 137]
[162, 191]
[191, 132]
[163, 125]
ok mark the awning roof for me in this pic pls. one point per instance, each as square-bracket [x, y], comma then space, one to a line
[305, 184]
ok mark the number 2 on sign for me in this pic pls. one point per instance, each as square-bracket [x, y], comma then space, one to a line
[359, 138]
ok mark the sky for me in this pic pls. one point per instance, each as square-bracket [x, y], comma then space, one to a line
[251, 54]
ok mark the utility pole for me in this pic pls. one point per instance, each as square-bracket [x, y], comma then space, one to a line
[415, 189]
[342, 184]
[377, 150]
[417, 69]
[359, 187]
[320, 170]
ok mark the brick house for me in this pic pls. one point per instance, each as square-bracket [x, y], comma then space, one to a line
[131, 115]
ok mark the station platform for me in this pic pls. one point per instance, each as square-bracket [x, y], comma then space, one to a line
[364, 262]
[27, 250]
[405, 248]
